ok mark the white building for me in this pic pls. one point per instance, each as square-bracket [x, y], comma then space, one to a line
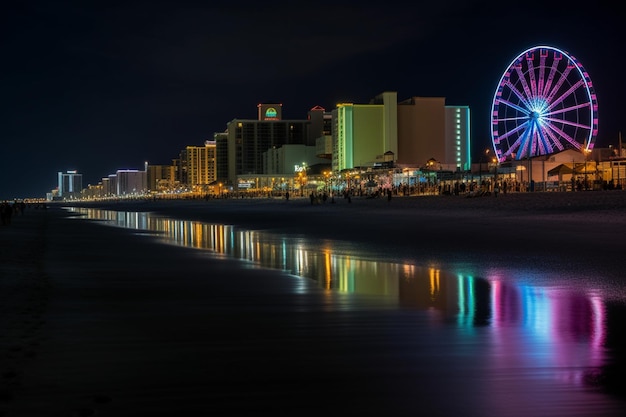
[70, 184]
[130, 182]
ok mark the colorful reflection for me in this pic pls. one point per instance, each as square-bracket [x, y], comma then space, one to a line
[530, 326]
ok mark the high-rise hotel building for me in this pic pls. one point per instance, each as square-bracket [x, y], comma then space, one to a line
[364, 133]
[428, 129]
[130, 182]
[457, 142]
[198, 165]
[161, 177]
[221, 156]
[70, 184]
[247, 139]
[407, 133]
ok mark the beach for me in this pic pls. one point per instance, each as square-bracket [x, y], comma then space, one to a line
[97, 320]
[581, 229]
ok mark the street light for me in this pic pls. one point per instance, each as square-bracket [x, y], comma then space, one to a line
[303, 177]
[586, 151]
[327, 181]
[480, 167]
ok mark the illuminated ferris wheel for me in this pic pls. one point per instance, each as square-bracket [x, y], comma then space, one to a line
[544, 104]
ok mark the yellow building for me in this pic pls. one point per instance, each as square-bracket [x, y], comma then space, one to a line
[407, 133]
[161, 177]
[198, 166]
[364, 133]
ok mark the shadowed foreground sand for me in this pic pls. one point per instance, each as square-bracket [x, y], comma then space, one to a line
[99, 321]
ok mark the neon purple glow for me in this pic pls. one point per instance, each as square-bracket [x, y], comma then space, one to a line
[544, 104]
[559, 325]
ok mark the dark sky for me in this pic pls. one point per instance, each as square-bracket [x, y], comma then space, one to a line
[100, 86]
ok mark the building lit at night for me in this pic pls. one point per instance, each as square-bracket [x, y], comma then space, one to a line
[70, 184]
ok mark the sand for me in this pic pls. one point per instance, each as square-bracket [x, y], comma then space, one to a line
[582, 228]
[99, 321]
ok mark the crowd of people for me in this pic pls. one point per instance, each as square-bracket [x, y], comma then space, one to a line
[9, 209]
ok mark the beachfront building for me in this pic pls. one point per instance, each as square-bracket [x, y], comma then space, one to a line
[221, 156]
[70, 184]
[248, 140]
[108, 185]
[568, 170]
[161, 178]
[124, 183]
[324, 147]
[92, 192]
[429, 130]
[130, 182]
[381, 134]
[409, 133]
[457, 150]
[363, 133]
[320, 129]
[288, 158]
[198, 166]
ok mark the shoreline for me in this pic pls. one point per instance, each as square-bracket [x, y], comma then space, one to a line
[520, 228]
[529, 203]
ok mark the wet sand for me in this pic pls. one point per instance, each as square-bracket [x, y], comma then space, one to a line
[100, 321]
[558, 229]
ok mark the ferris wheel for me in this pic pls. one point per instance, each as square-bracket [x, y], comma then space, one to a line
[544, 104]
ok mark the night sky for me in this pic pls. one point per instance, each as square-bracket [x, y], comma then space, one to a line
[100, 86]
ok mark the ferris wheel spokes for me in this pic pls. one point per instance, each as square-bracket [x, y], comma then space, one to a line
[561, 134]
[544, 144]
[566, 94]
[553, 71]
[515, 106]
[567, 109]
[554, 139]
[519, 94]
[513, 131]
[522, 80]
[568, 123]
[517, 144]
[544, 103]
[531, 78]
[557, 86]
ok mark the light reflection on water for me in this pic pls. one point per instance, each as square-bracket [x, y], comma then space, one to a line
[532, 327]
[468, 300]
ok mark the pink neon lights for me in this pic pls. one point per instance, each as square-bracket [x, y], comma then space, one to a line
[544, 103]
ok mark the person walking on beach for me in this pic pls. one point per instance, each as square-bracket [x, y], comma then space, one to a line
[6, 211]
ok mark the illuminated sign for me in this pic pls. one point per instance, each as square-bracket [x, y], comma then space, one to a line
[271, 113]
[246, 184]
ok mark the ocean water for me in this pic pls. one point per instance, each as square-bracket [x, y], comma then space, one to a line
[367, 333]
